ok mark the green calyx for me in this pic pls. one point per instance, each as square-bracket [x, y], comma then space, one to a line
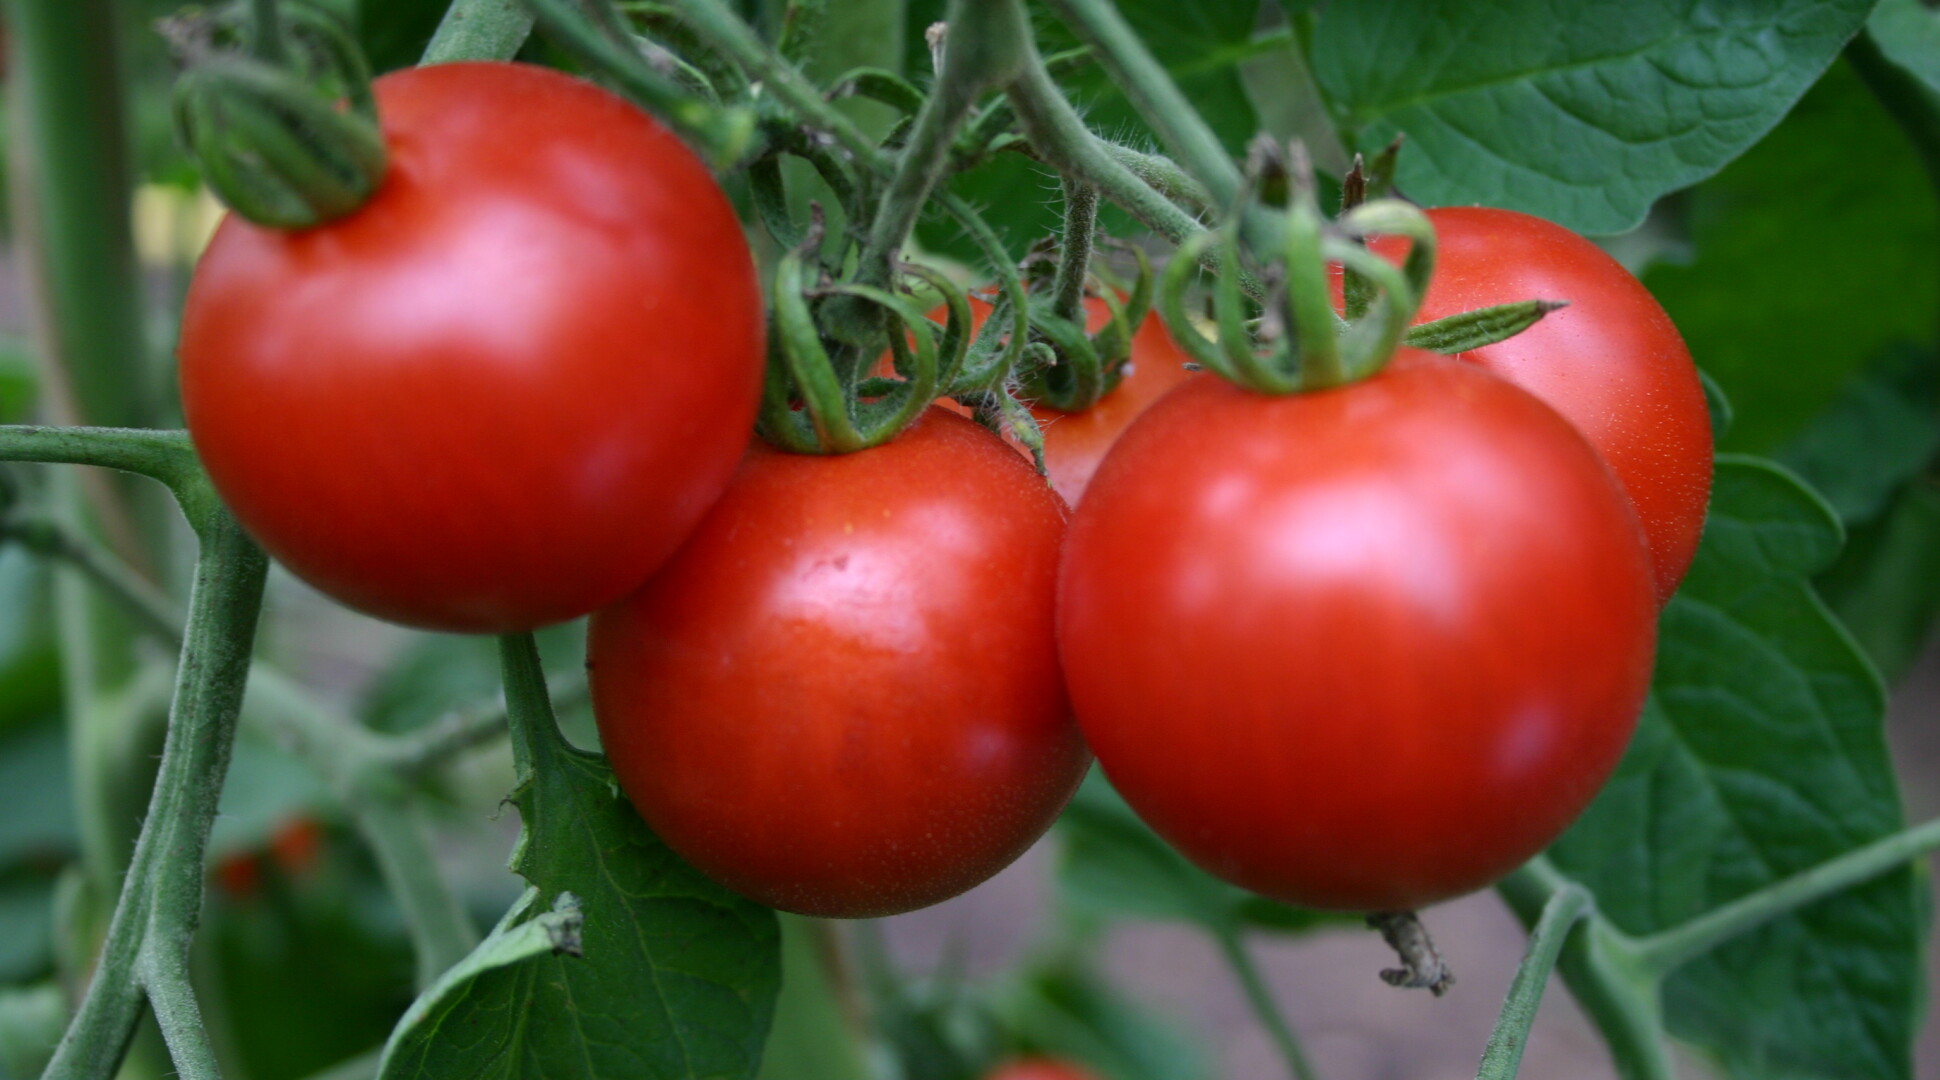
[808, 407]
[1293, 340]
[289, 144]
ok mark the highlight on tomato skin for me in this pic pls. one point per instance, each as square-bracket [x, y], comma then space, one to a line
[1360, 649]
[453, 408]
[1611, 362]
[842, 696]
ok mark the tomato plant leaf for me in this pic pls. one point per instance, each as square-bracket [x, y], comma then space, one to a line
[1876, 435]
[1908, 33]
[1829, 216]
[1886, 587]
[678, 977]
[1114, 864]
[1584, 120]
[1761, 753]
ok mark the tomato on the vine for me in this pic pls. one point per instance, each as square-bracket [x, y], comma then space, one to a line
[841, 697]
[1611, 362]
[1364, 648]
[500, 393]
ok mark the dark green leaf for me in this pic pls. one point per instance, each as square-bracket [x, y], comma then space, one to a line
[1908, 32]
[1113, 864]
[1584, 114]
[678, 977]
[1762, 753]
[1886, 587]
[267, 786]
[1814, 252]
[527, 933]
[1876, 435]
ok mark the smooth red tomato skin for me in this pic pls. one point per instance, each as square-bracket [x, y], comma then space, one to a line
[842, 696]
[1362, 649]
[502, 392]
[1041, 1069]
[1612, 362]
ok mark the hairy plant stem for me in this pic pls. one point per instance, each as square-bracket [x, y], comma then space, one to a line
[479, 30]
[1599, 964]
[1151, 91]
[146, 953]
[1074, 253]
[1059, 137]
[1260, 996]
[1561, 912]
[365, 770]
[973, 61]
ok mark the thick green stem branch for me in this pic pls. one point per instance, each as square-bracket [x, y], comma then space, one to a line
[1260, 996]
[1666, 950]
[1145, 82]
[479, 30]
[721, 29]
[1561, 913]
[973, 61]
[362, 768]
[161, 900]
[1600, 965]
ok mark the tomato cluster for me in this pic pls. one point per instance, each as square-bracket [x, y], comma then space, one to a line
[1361, 648]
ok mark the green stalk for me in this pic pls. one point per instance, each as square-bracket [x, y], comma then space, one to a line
[1561, 912]
[71, 185]
[1667, 950]
[973, 61]
[479, 30]
[1260, 996]
[1145, 82]
[1601, 968]
[154, 921]
[1074, 253]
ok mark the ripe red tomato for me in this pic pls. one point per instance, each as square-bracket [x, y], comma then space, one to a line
[1074, 443]
[504, 390]
[1612, 363]
[842, 697]
[1360, 649]
[1041, 1069]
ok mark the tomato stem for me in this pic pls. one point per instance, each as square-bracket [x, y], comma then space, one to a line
[362, 768]
[479, 30]
[1422, 966]
[1600, 965]
[1259, 995]
[1667, 950]
[1565, 908]
[154, 919]
[1152, 92]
